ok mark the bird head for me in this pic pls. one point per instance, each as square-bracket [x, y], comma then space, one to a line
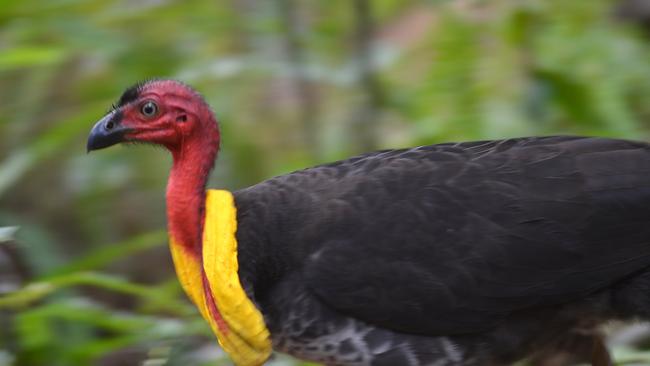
[161, 112]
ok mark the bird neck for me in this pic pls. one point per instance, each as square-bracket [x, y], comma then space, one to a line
[186, 190]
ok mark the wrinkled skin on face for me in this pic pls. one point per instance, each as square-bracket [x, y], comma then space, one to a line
[161, 112]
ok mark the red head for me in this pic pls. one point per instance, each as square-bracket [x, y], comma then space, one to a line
[170, 114]
[162, 112]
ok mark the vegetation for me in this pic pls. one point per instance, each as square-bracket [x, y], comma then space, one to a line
[85, 275]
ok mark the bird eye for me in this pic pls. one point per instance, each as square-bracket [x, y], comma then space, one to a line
[149, 109]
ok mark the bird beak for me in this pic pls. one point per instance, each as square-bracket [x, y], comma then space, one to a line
[107, 132]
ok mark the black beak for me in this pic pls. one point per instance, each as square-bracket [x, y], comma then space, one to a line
[107, 132]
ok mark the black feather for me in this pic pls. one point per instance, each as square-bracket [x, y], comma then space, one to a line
[131, 93]
[453, 238]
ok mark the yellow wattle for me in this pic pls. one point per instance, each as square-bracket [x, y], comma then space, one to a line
[246, 338]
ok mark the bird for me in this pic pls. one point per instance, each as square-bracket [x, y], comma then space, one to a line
[462, 253]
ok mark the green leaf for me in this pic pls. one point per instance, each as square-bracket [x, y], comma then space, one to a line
[29, 56]
[112, 252]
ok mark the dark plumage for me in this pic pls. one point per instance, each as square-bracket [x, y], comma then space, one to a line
[461, 240]
[476, 253]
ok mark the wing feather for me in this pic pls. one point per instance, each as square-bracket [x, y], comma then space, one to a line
[453, 238]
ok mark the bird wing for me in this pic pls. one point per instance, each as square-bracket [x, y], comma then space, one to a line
[450, 239]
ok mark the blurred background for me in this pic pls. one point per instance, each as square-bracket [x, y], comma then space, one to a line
[85, 273]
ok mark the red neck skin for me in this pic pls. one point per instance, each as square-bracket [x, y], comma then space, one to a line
[193, 161]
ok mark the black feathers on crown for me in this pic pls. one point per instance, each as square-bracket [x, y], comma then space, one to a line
[131, 93]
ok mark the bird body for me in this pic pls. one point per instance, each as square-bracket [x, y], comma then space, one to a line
[476, 253]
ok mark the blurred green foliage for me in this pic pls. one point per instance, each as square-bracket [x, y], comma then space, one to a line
[84, 269]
